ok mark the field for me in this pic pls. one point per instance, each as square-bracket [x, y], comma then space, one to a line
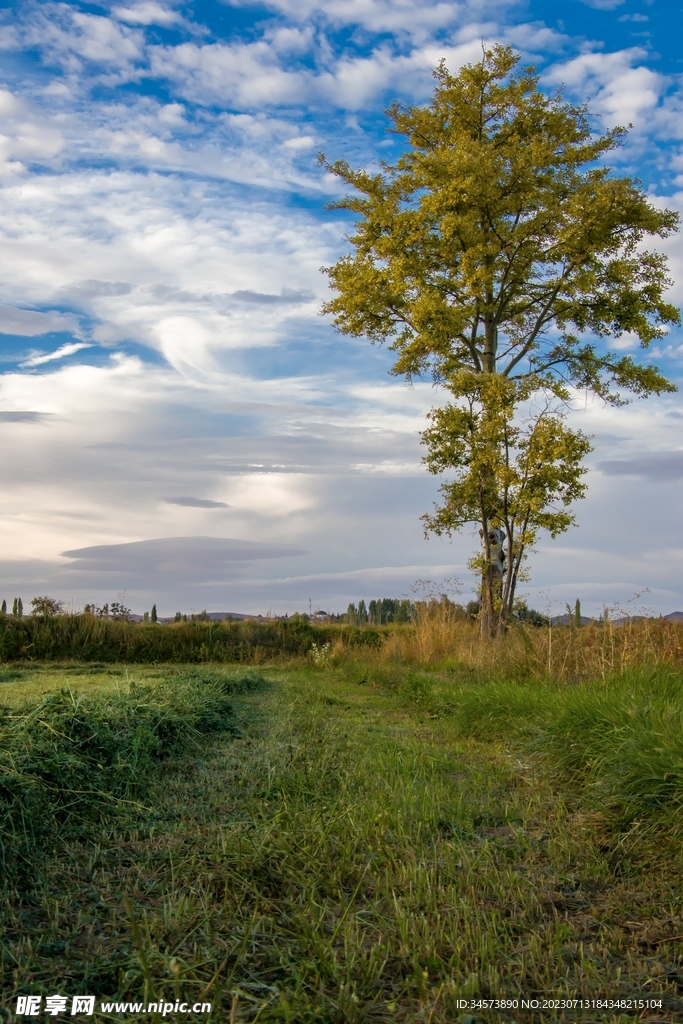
[350, 837]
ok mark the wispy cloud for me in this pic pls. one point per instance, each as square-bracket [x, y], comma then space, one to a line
[62, 352]
[196, 502]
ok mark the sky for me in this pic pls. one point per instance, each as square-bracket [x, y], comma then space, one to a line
[179, 424]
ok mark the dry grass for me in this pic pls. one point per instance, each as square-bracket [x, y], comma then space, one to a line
[562, 653]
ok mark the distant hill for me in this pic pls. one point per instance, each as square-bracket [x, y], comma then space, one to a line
[564, 620]
[214, 616]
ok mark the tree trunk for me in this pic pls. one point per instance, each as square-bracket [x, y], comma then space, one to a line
[491, 611]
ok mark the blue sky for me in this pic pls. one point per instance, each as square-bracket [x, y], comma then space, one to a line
[166, 380]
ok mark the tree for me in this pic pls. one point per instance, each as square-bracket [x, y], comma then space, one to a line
[120, 611]
[45, 607]
[3, 608]
[498, 255]
[153, 614]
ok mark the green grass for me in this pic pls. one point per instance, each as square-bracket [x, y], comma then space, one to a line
[71, 759]
[24, 682]
[375, 850]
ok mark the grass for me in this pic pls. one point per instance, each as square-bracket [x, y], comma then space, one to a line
[375, 846]
[70, 760]
[21, 683]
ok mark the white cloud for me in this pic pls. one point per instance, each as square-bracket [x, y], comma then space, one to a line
[616, 89]
[29, 323]
[25, 135]
[413, 17]
[243, 75]
[603, 5]
[73, 39]
[62, 352]
[147, 13]
[183, 276]
[251, 76]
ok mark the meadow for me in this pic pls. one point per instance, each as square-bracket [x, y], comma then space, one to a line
[394, 830]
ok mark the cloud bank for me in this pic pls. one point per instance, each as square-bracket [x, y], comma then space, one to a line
[166, 381]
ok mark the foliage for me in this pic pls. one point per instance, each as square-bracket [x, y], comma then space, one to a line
[45, 607]
[520, 476]
[320, 655]
[380, 612]
[117, 610]
[107, 640]
[498, 247]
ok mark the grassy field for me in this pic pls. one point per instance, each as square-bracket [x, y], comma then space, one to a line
[26, 682]
[355, 842]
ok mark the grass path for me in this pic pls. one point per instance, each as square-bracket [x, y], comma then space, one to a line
[349, 858]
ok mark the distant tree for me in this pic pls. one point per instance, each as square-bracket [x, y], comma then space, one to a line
[352, 615]
[153, 613]
[3, 608]
[529, 615]
[20, 608]
[498, 255]
[45, 607]
[178, 617]
[119, 611]
[145, 617]
[577, 613]
[362, 613]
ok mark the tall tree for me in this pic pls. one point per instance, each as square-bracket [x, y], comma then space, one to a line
[499, 254]
[46, 607]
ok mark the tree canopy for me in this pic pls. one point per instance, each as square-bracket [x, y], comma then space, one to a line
[500, 255]
[498, 220]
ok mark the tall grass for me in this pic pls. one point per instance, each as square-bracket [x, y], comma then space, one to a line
[617, 744]
[567, 653]
[436, 637]
[87, 638]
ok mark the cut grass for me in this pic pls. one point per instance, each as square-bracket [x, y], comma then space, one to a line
[24, 682]
[353, 857]
[69, 760]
